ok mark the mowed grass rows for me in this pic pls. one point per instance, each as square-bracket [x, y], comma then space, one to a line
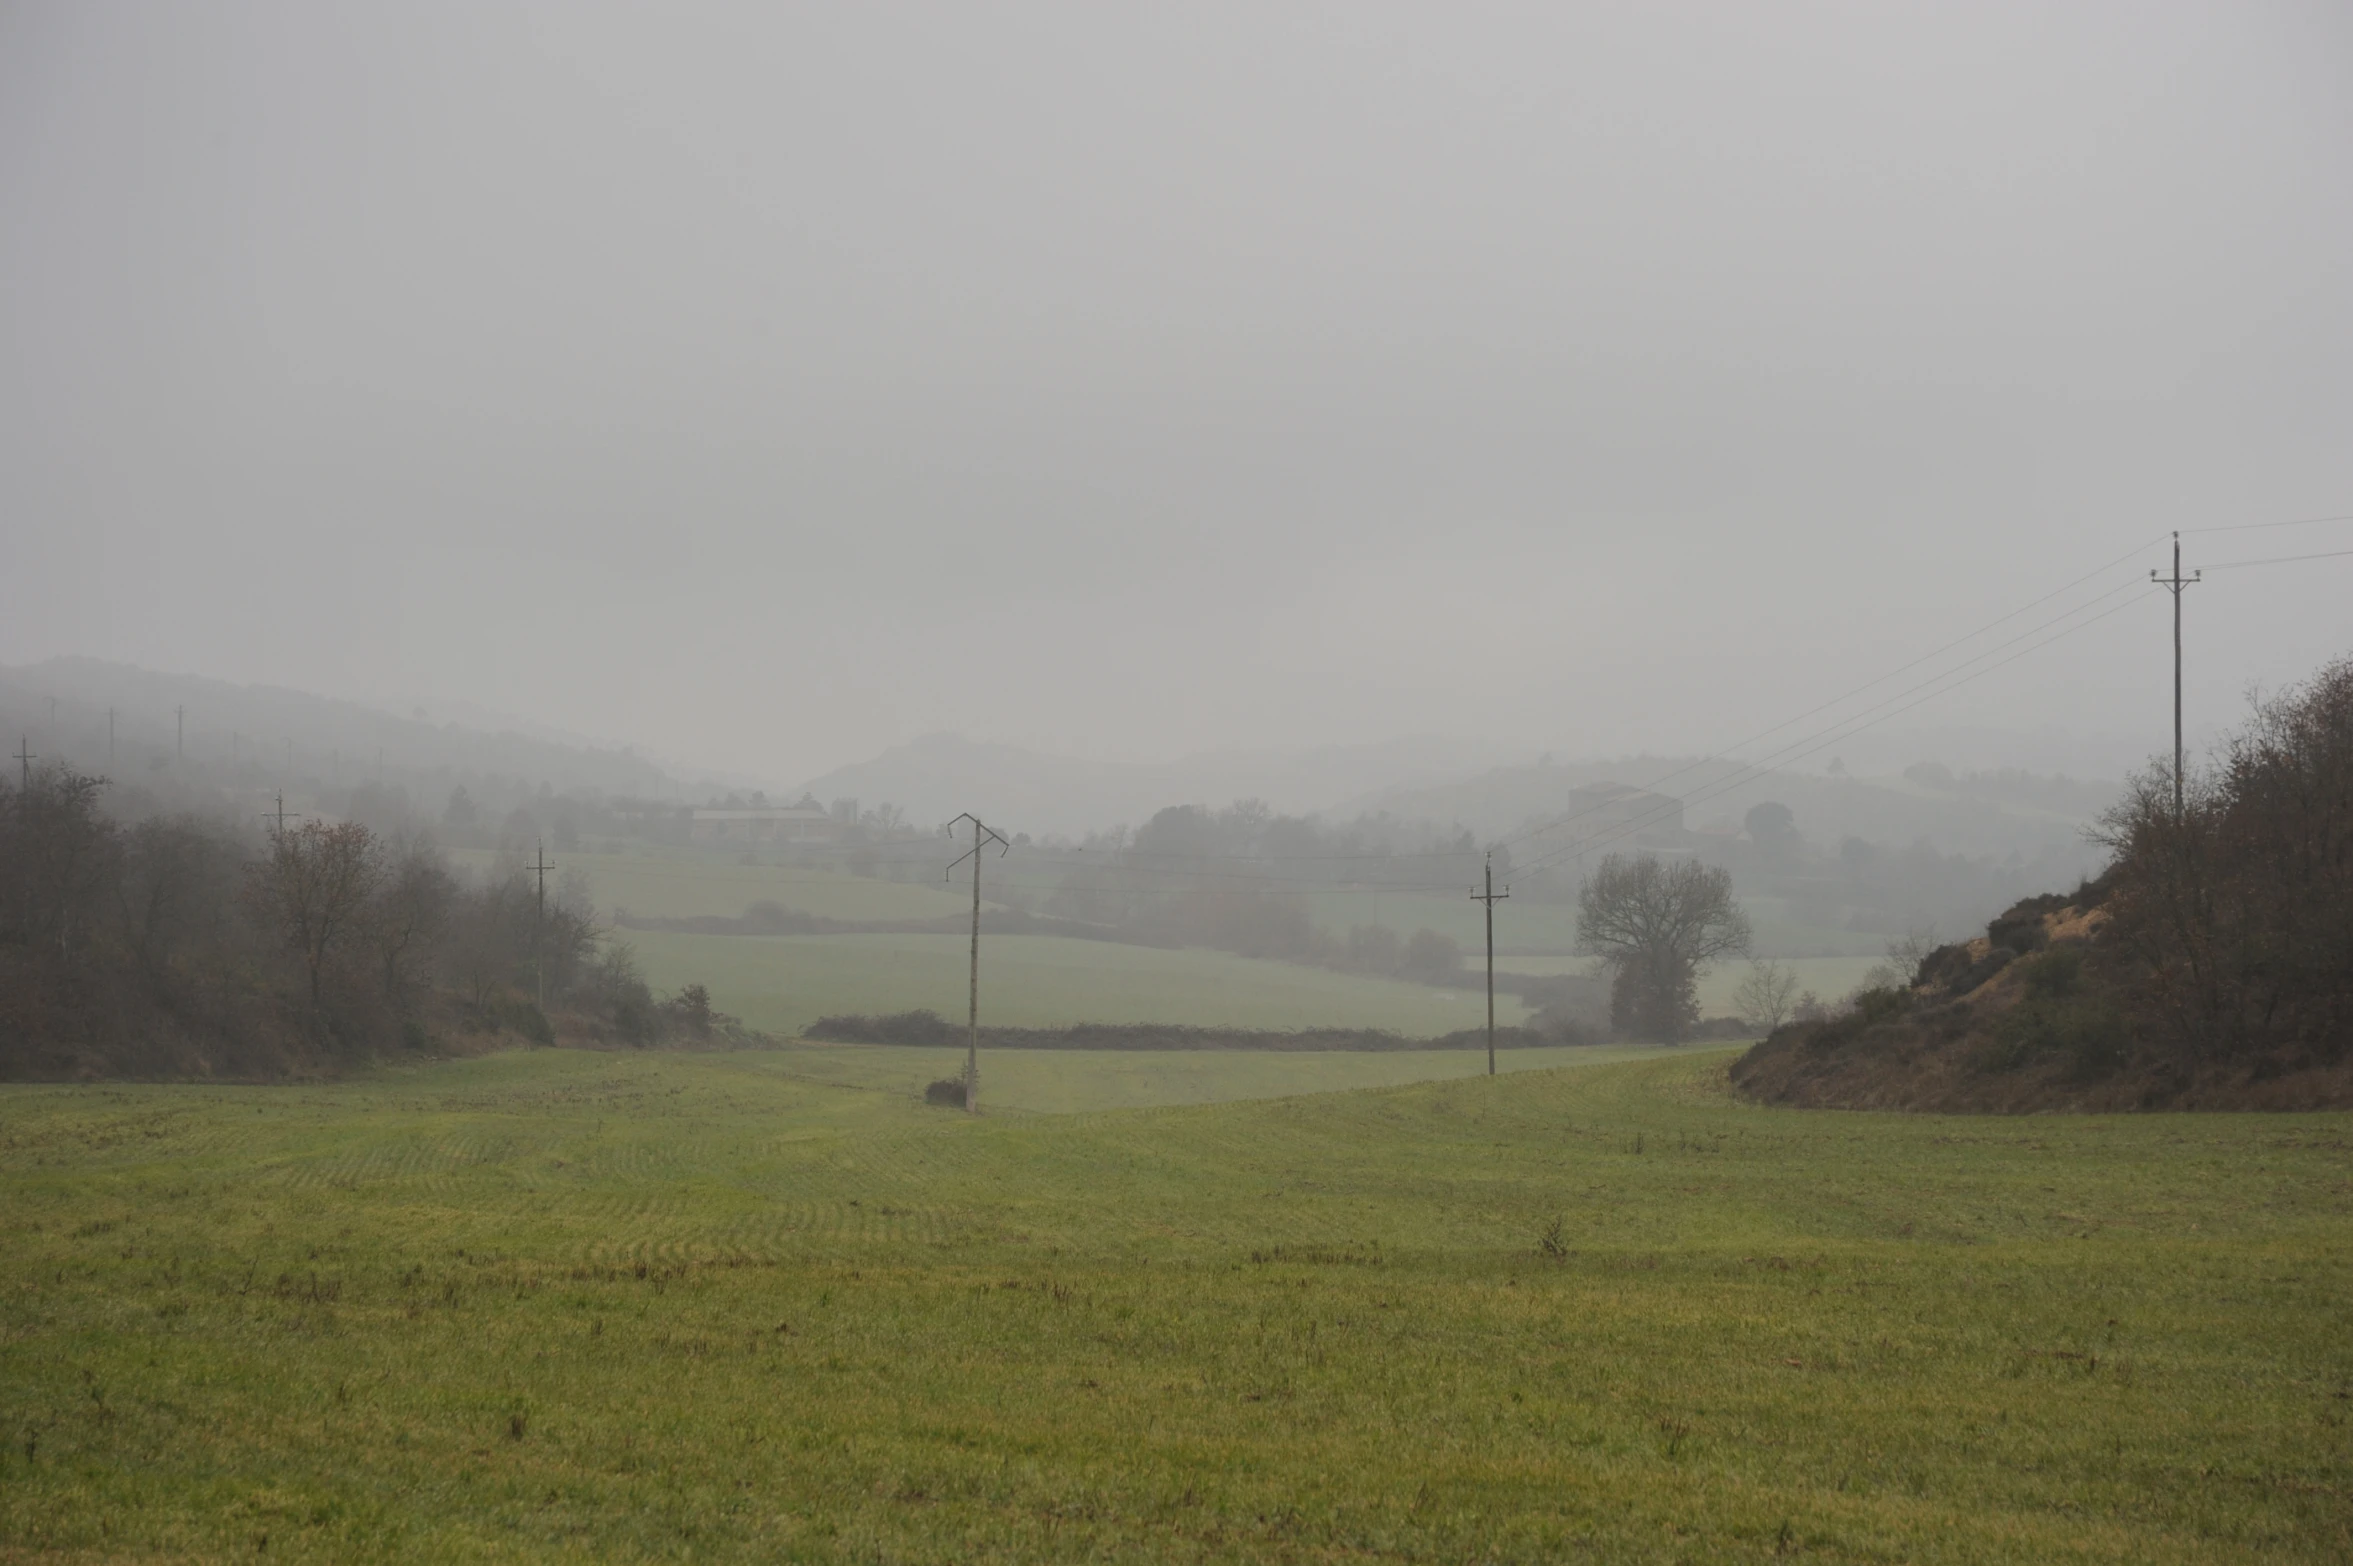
[574, 1306]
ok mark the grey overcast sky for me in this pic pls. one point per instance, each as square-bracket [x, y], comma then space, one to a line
[773, 383]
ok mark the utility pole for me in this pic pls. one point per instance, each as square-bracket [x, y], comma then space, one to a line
[24, 762]
[179, 733]
[110, 739]
[1490, 896]
[2174, 585]
[538, 928]
[281, 813]
[982, 836]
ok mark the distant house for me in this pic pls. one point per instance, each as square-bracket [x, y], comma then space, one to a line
[1606, 818]
[806, 822]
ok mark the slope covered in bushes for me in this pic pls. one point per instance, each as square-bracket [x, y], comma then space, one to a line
[2210, 966]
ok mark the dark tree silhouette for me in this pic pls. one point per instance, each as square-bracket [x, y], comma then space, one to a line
[1657, 924]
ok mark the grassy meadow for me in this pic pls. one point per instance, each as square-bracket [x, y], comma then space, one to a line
[783, 983]
[1068, 1081]
[576, 1306]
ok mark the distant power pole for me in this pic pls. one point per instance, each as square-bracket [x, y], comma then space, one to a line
[1490, 896]
[2174, 585]
[982, 836]
[24, 763]
[179, 732]
[538, 931]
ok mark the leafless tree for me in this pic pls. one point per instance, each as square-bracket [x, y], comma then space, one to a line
[1656, 925]
[1767, 995]
[314, 888]
[408, 916]
[175, 882]
[2239, 903]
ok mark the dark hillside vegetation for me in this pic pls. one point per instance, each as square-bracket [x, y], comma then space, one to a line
[2210, 966]
[179, 946]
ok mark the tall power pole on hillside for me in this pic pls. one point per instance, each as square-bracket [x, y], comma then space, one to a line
[2174, 585]
[539, 930]
[1490, 896]
[982, 836]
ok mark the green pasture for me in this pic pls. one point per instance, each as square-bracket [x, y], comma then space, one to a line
[1064, 1081]
[1519, 925]
[783, 983]
[1827, 977]
[587, 1307]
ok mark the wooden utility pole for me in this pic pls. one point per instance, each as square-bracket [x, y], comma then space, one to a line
[982, 836]
[1490, 896]
[2174, 585]
[539, 931]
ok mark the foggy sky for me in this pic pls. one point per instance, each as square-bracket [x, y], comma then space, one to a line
[772, 384]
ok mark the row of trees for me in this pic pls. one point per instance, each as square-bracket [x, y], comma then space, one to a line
[181, 945]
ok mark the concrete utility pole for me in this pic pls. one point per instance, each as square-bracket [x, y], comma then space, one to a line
[1490, 896]
[538, 931]
[982, 836]
[24, 763]
[2174, 585]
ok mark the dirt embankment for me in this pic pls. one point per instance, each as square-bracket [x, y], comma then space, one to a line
[2044, 1012]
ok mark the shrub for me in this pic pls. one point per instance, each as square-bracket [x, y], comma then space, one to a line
[947, 1092]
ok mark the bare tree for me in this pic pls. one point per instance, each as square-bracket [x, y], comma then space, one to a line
[409, 915]
[1767, 996]
[2238, 899]
[1656, 925]
[314, 888]
[56, 855]
[173, 885]
[1900, 966]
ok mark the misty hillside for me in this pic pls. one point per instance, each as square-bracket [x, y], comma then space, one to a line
[1993, 814]
[175, 731]
[940, 775]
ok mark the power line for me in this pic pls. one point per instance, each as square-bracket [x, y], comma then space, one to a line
[2250, 527]
[1825, 739]
[2328, 554]
[1853, 723]
[539, 928]
[2175, 584]
[982, 836]
[1490, 896]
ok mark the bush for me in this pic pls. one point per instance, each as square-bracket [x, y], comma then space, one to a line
[947, 1092]
[903, 1027]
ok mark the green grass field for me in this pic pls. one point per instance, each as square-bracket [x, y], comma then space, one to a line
[1065, 1081]
[611, 1307]
[1828, 977]
[783, 983]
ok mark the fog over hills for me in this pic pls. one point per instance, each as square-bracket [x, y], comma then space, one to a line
[276, 736]
[939, 775]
